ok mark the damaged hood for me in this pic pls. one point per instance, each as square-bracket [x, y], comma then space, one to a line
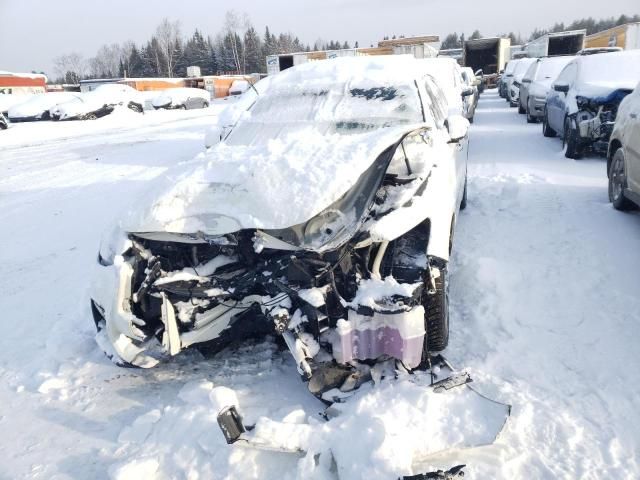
[272, 185]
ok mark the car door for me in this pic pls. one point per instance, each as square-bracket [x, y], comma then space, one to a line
[435, 101]
[632, 143]
[557, 101]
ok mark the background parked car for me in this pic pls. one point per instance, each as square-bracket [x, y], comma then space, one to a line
[448, 76]
[623, 162]
[584, 99]
[98, 103]
[536, 84]
[470, 101]
[183, 98]
[238, 87]
[37, 107]
[503, 86]
[513, 92]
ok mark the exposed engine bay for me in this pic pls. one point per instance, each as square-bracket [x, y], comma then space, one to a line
[596, 117]
[333, 310]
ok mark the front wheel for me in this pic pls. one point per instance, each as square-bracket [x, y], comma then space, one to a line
[463, 202]
[571, 141]
[521, 109]
[437, 313]
[547, 131]
[530, 118]
[618, 182]
[136, 107]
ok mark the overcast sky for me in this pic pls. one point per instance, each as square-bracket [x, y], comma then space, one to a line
[33, 32]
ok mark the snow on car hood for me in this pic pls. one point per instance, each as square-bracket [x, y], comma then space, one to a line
[275, 185]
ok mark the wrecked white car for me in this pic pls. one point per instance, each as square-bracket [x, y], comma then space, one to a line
[325, 216]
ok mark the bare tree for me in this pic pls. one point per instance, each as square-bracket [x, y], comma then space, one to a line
[71, 67]
[234, 24]
[125, 56]
[106, 63]
[168, 35]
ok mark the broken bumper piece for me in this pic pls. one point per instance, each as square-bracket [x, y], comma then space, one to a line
[295, 438]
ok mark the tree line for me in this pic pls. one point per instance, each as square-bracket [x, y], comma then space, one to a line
[591, 25]
[237, 49]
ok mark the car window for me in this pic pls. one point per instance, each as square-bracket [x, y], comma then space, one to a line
[568, 74]
[530, 74]
[437, 101]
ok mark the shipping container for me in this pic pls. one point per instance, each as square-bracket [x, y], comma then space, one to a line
[487, 54]
[625, 36]
[555, 44]
[419, 47]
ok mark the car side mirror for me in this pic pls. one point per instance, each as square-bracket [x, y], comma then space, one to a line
[561, 87]
[457, 126]
[213, 136]
[467, 91]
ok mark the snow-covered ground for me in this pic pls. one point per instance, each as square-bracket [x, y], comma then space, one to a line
[545, 315]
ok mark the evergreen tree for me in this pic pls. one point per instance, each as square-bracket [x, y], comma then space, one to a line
[254, 55]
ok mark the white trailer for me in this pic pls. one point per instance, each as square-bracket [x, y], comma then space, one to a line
[559, 43]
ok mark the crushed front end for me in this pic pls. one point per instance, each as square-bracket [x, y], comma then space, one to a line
[333, 310]
[596, 117]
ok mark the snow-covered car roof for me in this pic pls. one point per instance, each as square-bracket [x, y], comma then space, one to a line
[39, 103]
[306, 151]
[178, 96]
[548, 69]
[522, 67]
[603, 72]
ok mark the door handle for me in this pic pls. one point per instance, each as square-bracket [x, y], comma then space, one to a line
[633, 115]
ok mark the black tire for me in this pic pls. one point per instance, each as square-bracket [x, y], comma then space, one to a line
[618, 182]
[437, 315]
[471, 120]
[136, 107]
[571, 141]
[205, 105]
[531, 119]
[547, 131]
[90, 116]
[521, 109]
[463, 202]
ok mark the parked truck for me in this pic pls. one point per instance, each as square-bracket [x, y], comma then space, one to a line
[489, 55]
[625, 36]
[559, 43]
